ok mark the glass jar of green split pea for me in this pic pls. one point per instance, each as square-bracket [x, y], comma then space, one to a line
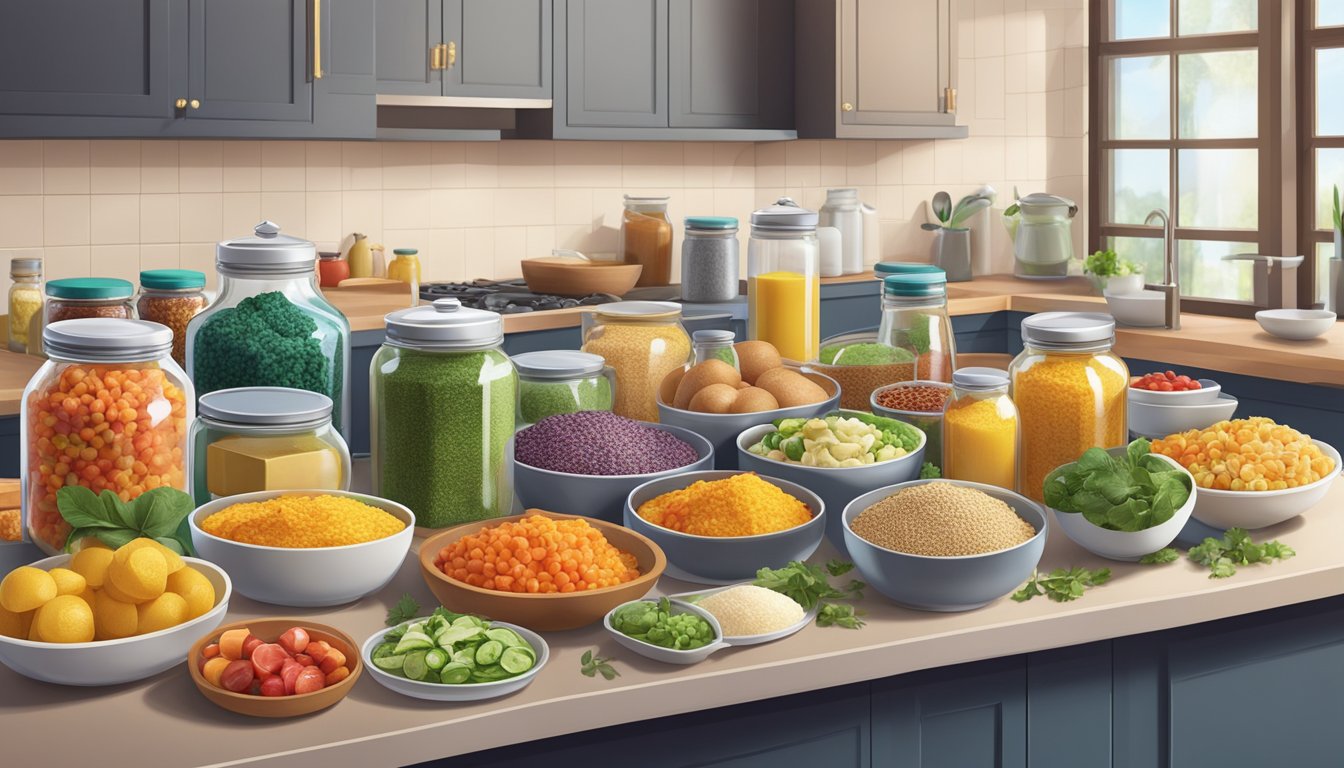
[562, 381]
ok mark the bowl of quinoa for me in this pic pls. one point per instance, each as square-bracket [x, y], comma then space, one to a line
[304, 548]
[944, 545]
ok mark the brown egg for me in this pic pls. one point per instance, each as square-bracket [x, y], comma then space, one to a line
[753, 400]
[755, 358]
[791, 388]
[667, 390]
[702, 375]
[715, 398]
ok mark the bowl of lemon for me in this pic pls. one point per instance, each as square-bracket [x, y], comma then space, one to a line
[104, 617]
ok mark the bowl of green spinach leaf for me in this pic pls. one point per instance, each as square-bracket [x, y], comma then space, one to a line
[1121, 503]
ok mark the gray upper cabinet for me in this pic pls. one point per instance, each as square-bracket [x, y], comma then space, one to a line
[731, 64]
[616, 63]
[249, 60]
[408, 32]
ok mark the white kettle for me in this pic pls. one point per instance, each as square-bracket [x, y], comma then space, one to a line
[1041, 228]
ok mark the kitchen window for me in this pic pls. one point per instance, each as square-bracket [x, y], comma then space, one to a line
[1321, 132]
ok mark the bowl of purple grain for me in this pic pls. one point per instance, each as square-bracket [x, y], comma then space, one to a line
[586, 463]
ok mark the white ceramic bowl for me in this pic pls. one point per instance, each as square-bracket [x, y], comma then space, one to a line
[1151, 420]
[668, 655]
[1295, 324]
[112, 662]
[764, 637]
[1144, 309]
[418, 689]
[306, 578]
[1127, 545]
[1207, 393]
[1260, 509]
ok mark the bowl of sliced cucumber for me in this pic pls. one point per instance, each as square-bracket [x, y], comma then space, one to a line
[450, 656]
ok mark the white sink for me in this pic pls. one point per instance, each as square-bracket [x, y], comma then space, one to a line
[1144, 309]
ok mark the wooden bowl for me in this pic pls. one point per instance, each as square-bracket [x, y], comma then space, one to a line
[279, 706]
[543, 612]
[565, 276]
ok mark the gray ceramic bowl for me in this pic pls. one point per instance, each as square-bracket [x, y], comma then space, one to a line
[726, 559]
[837, 486]
[722, 429]
[600, 496]
[946, 583]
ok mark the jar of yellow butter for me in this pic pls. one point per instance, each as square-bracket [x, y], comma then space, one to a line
[265, 439]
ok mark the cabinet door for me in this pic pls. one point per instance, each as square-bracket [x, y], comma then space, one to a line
[895, 62]
[616, 63]
[731, 63]
[250, 60]
[503, 48]
[407, 31]
[96, 58]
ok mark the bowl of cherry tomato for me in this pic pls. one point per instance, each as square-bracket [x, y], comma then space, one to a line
[1171, 388]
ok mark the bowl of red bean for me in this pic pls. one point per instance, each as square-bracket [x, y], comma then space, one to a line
[920, 404]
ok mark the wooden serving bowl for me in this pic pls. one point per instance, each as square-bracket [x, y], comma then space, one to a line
[279, 706]
[543, 612]
[564, 276]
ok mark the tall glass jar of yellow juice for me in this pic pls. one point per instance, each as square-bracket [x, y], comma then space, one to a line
[784, 280]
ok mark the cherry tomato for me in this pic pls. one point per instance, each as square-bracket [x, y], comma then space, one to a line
[294, 640]
[250, 645]
[289, 674]
[231, 643]
[305, 660]
[237, 676]
[269, 657]
[213, 670]
[318, 650]
[310, 679]
[273, 686]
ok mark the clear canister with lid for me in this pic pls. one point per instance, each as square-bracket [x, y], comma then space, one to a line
[642, 341]
[914, 318]
[78, 297]
[646, 238]
[1070, 391]
[841, 211]
[710, 270]
[442, 396]
[270, 325]
[25, 300]
[885, 269]
[784, 280]
[715, 344]
[172, 297]
[980, 429]
[557, 381]
[109, 410]
[265, 439]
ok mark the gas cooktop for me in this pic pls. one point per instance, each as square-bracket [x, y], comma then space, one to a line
[507, 296]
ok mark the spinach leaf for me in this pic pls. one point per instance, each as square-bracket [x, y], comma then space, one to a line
[1130, 493]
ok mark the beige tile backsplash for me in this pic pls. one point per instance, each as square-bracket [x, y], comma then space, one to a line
[475, 209]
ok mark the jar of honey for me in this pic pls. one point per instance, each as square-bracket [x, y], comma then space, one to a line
[646, 238]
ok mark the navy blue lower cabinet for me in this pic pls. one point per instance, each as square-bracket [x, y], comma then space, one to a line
[9, 446]
[1069, 707]
[968, 715]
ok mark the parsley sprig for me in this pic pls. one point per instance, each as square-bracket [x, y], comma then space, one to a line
[1062, 584]
[810, 585]
[592, 665]
[406, 609]
[1223, 556]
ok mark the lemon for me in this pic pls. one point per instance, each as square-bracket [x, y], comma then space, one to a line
[166, 610]
[33, 634]
[26, 588]
[111, 591]
[91, 563]
[113, 618]
[195, 588]
[174, 561]
[140, 574]
[67, 581]
[15, 624]
[88, 596]
[65, 619]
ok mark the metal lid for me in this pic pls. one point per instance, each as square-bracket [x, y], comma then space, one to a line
[646, 199]
[642, 309]
[1043, 202]
[558, 364]
[1067, 329]
[445, 324]
[884, 268]
[979, 378]
[405, 251]
[713, 336]
[266, 252]
[715, 223]
[107, 338]
[265, 406]
[90, 288]
[785, 215]
[172, 279]
[25, 267]
[915, 284]
[328, 255]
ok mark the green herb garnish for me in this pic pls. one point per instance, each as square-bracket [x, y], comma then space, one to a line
[837, 615]
[930, 471]
[158, 514]
[1167, 555]
[809, 585]
[1235, 548]
[839, 567]
[591, 665]
[406, 609]
[1062, 584]
[1137, 492]
[1106, 263]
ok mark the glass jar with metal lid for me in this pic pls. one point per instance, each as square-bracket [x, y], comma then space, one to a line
[646, 238]
[1070, 390]
[562, 381]
[172, 297]
[109, 410]
[76, 297]
[642, 341]
[709, 259]
[784, 280]
[442, 399]
[265, 439]
[914, 319]
[270, 326]
[25, 300]
[715, 344]
[980, 429]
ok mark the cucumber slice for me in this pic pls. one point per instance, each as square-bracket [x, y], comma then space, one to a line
[435, 659]
[385, 649]
[466, 657]
[489, 652]
[517, 660]
[466, 621]
[506, 636]
[453, 636]
[491, 674]
[414, 641]
[415, 667]
[389, 663]
[454, 674]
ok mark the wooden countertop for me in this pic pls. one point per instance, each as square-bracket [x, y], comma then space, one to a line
[15, 371]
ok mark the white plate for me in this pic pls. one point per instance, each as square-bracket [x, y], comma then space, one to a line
[765, 637]
[418, 689]
[659, 653]
[1207, 393]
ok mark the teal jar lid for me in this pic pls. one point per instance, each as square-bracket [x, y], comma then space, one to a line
[711, 222]
[884, 268]
[405, 251]
[90, 288]
[172, 279]
[915, 284]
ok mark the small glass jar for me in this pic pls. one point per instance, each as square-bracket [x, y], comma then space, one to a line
[919, 404]
[405, 266]
[562, 381]
[712, 344]
[332, 268]
[841, 211]
[1070, 390]
[109, 410]
[265, 439]
[642, 341]
[25, 300]
[710, 270]
[884, 269]
[914, 318]
[980, 429]
[784, 280]
[646, 238]
[172, 297]
[78, 297]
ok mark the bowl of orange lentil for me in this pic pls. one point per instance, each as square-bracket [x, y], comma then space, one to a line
[543, 570]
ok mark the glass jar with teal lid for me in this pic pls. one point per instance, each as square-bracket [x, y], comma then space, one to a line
[172, 297]
[710, 259]
[884, 269]
[914, 317]
[78, 297]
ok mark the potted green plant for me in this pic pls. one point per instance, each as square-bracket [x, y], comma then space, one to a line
[1113, 274]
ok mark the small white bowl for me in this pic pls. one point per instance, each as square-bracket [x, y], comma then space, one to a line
[316, 577]
[419, 689]
[1128, 545]
[1144, 309]
[1295, 324]
[1261, 509]
[112, 662]
[1151, 420]
[668, 655]
[764, 637]
[1207, 393]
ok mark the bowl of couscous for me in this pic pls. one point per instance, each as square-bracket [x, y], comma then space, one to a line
[304, 548]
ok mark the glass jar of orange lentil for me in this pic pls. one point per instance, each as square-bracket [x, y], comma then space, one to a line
[109, 410]
[1070, 391]
[172, 297]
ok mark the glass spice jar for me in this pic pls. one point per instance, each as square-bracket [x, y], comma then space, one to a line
[715, 344]
[646, 238]
[709, 259]
[79, 297]
[556, 381]
[642, 341]
[25, 300]
[980, 430]
[172, 297]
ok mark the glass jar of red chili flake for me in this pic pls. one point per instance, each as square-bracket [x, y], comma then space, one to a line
[918, 403]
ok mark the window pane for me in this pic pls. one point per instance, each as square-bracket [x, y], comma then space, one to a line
[1218, 94]
[1329, 172]
[1144, 251]
[1202, 17]
[1329, 98]
[1217, 188]
[1206, 275]
[1329, 13]
[1324, 252]
[1142, 18]
[1140, 105]
[1138, 184]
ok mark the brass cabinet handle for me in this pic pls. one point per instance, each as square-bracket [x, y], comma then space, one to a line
[451, 55]
[949, 99]
[847, 107]
[317, 39]
[434, 57]
[180, 103]
[195, 103]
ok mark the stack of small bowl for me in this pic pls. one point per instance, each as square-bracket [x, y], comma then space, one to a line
[1154, 414]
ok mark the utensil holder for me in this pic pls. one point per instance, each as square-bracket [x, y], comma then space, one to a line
[952, 253]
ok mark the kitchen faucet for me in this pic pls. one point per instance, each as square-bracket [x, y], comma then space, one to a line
[1170, 287]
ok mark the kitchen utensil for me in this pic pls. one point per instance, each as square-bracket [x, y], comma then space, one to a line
[579, 276]
[1260, 509]
[927, 227]
[419, 689]
[942, 206]
[1128, 546]
[1295, 324]
[952, 253]
[981, 238]
[1043, 243]
[964, 212]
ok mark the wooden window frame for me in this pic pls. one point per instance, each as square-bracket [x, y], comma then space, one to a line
[1310, 39]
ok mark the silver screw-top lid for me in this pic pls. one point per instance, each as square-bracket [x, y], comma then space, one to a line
[265, 406]
[1068, 329]
[25, 267]
[558, 364]
[713, 336]
[785, 215]
[445, 324]
[266, 252]
[979, 378]
[638, 309]
[107, 339]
